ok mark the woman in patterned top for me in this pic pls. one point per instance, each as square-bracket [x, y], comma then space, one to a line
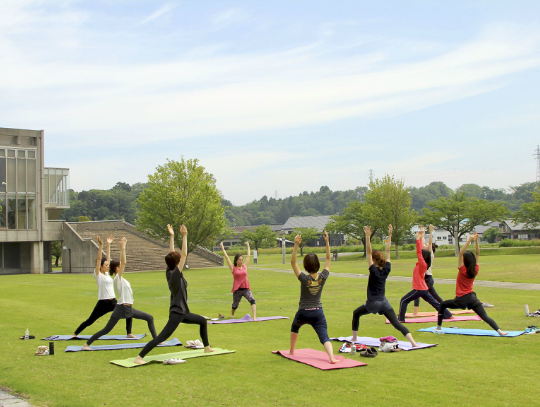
[310, 308]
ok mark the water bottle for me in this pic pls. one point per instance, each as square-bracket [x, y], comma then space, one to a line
[26, 334]
[353, 349]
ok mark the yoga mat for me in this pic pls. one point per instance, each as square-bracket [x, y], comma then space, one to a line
[473, 332]
[434, 319]
[434, 313]
[366, 340]
[172, 342]
[319, 359]
[188, 354]
[245, 318]
[103, 338]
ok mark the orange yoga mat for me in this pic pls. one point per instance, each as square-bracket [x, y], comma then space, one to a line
[434, 313]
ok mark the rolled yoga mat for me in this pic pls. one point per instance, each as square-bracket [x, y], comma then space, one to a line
[319, 359]
[188, 354]
[245, 318]
[434, 313]
[434, 319]
[172, 342]
[473, 332]
[86, 337]
[366, 340]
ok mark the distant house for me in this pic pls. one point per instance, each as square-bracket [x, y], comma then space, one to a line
[488, 225]
[440, 236]
[518, 231]
[317, 222]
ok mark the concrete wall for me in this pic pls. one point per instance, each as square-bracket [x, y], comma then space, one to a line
[78, 254]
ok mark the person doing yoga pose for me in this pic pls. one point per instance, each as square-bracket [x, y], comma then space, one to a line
[178, 310]
[465, 296]
[310, 309]
[420, 288]
[429, 274]
[241, 287]
[124, 307]
[106, 298]
[379, 269]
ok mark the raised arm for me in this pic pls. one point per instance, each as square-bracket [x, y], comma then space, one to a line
[226, 257]
[246, 260]
[99, 254]
[110, 239]
[431, 229]
[367, 232]
[389, 242]
[296, 269]
[183, 232]
[122, 266]
[464, 249]
[477, 248]
[419, 245]
[328, 257]
[171, 238]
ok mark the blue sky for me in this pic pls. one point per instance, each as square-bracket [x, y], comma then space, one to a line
[279, 96]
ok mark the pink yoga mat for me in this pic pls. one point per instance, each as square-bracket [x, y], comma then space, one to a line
[318, 359]
[434, 319]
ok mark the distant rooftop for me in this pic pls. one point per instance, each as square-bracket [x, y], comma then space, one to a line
[318, 222]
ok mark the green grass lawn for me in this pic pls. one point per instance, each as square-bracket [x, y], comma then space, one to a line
[518, 268]
[460, 371]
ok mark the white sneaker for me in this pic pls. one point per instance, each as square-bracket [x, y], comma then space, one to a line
[198, 344]
[487, 305]
[173, 361]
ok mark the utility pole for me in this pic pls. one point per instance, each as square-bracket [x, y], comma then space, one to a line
[370, 175]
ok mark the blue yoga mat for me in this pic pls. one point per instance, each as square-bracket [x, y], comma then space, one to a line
[172, 342]
[103, 338]
[473, 332]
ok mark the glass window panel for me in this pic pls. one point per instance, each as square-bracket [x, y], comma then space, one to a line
[1, 256]
[31, 153]
[21, 213]
[12, 255]
[11, 153]
[31, 213]
[31, 167]
[2, 152]
[52, 187]
[21, 175]
[11, 172]
[20, 154]
[11, 214]
[2, 174]
[46, 187]
[2, 212]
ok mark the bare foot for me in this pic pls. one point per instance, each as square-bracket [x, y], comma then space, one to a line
[130, 336]
[231, 317]
[208, 349]
[415, 345]
[140, 361]
[502, 333]
[73, 336]
[255, 319]
[354, 338]
[334, 361]
[291, 352]
[86, 347]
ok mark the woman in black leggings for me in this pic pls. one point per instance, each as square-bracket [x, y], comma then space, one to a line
[465, 296]
[379, 268]
[178, 311]
[124, 308]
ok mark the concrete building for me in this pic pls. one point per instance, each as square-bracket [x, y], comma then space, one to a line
[317, 222]
[31, 198]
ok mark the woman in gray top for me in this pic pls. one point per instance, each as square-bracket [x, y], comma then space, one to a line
[310, 309]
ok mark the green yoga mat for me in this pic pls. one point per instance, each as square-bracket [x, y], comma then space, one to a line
[188, 354]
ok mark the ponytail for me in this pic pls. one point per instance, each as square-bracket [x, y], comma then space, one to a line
[469, 261]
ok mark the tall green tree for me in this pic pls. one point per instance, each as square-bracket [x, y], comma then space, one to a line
[351, 222]
[491, 235]
[530, 212]
[458, 214]
[261, 237]
[182, 192]
[56, 251]
[308, 234]
[388, 202]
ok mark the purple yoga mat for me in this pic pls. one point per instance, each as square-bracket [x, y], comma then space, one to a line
[366, 340]
[245, 318]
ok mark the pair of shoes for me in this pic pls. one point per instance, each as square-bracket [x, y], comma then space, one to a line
[487, 305]
[345, 348]
[369, 352]
[173, 361]
[42, 351]
[196, 344]
[531, 329]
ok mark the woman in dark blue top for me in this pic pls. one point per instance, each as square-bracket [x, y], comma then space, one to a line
[379, 268]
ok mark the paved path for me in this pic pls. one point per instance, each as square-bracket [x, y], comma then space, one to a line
[8, 399]
[477, 283]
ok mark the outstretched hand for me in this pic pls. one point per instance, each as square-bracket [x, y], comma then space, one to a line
[123, 241]
[221, 245]
[367, 230]
[170, 229]
[390, 229]
[297, 240]
[183, 230]
[431, 228]
[246, 243]
[99, 240]
[110, 239]
[474, 237]
[325, 236]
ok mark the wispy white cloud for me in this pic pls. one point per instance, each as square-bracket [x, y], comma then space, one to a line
[159, 12]
[229, 17]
